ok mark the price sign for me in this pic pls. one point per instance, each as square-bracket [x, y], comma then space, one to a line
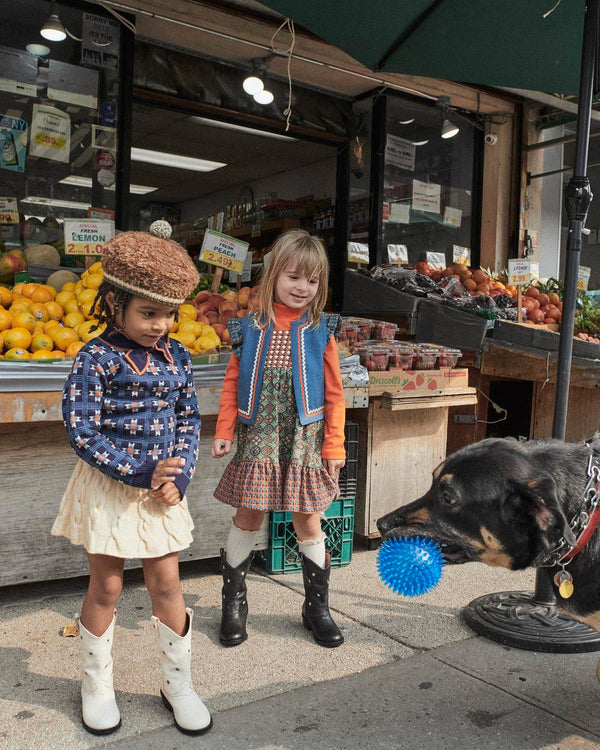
[223, 251]
[86, 237]
[358, 252]
[9, 213]
[397, 254]
[461, 255]
[436, 260]
[519, 272]
[583, 277]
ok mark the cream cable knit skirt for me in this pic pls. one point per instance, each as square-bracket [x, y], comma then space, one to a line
[111, 518]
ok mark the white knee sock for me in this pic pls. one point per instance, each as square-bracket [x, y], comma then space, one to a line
[239, 545]
[314, 549]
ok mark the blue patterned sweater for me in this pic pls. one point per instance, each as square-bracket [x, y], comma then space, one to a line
[126, 407]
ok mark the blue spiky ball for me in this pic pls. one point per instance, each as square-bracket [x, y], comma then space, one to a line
[410, 567]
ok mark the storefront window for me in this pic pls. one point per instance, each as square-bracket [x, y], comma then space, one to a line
[429, 191]
[58, 126]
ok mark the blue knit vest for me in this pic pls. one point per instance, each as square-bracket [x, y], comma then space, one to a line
[308, 344]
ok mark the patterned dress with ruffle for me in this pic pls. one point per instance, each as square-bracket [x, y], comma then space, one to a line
[278, 464]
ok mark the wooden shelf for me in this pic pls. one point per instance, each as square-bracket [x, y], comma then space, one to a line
[273, 225]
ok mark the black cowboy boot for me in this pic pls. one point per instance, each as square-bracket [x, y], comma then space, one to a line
[315, 610]
[235, 605]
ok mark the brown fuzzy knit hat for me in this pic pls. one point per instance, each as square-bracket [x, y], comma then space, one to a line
[152, 267]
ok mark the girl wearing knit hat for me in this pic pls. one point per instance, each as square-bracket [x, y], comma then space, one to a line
[131, 414]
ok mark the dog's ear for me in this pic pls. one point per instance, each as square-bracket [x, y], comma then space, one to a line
[542, 497]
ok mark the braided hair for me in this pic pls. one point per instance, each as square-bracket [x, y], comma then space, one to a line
[121, 300]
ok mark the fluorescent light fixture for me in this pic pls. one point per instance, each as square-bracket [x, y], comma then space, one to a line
[55, 202]
[86, 182]
[263, 97]
[176, 161]
[449, 129]
[406, 122]
[420, 143]
[252, 85]
[39, 50]
[240, 128]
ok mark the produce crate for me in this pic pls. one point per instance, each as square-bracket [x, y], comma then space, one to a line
[349, 474]
[442, 324]
[282, 553]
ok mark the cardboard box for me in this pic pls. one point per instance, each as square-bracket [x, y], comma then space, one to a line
[395, 382]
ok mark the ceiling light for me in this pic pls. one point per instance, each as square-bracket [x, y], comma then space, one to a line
[176, 161]
[53, 30]
[263, 97]
[86, 182]
[252, 85]
[406, 122]
[241, 128]
[420, 143]
[55, 202]
[39, 50]
[449, 129]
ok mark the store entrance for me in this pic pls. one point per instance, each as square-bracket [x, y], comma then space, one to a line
[198, 173]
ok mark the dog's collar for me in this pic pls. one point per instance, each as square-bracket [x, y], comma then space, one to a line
[583, 524]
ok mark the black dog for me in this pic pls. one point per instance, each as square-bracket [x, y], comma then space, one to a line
[515, 505]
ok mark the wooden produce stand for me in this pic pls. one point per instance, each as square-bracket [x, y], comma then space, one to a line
[402, 438]
[36, 462]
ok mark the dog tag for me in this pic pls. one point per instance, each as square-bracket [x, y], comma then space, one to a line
[566, 589]
[561, 576]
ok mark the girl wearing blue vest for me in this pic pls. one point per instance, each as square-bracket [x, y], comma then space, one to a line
[284, 391]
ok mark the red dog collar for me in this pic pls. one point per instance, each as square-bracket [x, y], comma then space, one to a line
[587, 534]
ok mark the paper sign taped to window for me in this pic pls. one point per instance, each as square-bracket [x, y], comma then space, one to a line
[426, 196]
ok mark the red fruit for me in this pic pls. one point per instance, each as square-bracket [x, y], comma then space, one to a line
[202, 319]
[437, 275]
[212, 316]
[532, 291]
[214, 301]
[423, 267]
[543, 299]
[535, 316]
[201, 297]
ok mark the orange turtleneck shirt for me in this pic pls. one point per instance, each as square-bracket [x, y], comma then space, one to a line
[335, 406]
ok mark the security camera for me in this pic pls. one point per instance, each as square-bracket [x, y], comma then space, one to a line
[491, 139]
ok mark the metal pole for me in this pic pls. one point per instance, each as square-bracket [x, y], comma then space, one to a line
[517, 618]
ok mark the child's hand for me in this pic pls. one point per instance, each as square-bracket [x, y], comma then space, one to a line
[167, 494]
[332, 467]
[166, 471]
[220, 447]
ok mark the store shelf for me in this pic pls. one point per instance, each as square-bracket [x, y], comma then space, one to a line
[273, 225]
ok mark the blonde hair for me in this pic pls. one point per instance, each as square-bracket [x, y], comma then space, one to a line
[306, 254]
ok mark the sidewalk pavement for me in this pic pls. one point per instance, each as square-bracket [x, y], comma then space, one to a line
[410, 675]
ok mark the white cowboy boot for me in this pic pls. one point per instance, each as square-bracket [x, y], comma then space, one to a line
[177, 691]
[99, 710]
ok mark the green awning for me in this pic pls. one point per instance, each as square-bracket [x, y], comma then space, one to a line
[488, 42]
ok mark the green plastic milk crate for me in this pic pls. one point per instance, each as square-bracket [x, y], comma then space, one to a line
[338, 525]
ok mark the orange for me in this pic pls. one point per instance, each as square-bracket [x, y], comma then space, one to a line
[188, 311]
[37, 328]
[42, 354]
[18, 288]
[17, 337]
[78, 287]
[64, 296]
[73, 319]
[17, 353]
[5, 296]
[55, 311]
[70, 305]
[39, 311]
[29, 289]
[86, 296]
[41, 295]
[23, 320]
[1, 342]
[18, 307]
[62, 337]
[50, 324]
[230, 294]
[41, 341]
[86, 331]
[5, 319]
[57, 354]
[68, 287]
[93, 280]
[73, 348]
[50, 288]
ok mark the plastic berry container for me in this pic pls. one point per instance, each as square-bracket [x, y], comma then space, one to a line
[374, 358]
[401, 357]
[448, 357]
[382, 330]
[364, 328]
[351, 331]
[425, 358]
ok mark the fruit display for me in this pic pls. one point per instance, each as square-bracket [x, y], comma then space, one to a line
[54, 320]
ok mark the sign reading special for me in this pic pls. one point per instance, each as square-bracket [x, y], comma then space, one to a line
[86, 236]
[223, 251]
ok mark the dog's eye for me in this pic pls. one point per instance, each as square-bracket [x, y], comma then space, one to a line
[450, 500]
